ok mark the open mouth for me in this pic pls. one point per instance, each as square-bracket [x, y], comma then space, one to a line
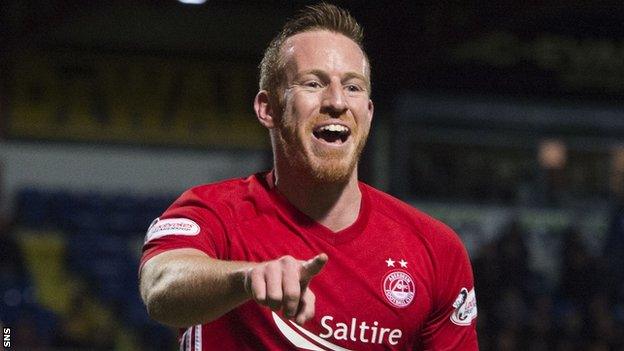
[332, 133]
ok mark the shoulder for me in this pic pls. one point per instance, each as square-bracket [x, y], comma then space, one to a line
[225, 190]
[439, 235]
[232, 198]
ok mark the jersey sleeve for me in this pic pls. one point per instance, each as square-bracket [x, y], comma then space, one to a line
[188, 223]
[452, 324]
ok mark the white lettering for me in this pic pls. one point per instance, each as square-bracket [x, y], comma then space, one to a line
[394, 337]
[381, 334]
[6, 337]
[341, 331]
[326, 327]
[374, 330]
[363, 328]
[362, 332]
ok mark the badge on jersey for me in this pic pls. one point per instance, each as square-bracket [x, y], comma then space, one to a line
[465, 307]
[398, 286]
[171, 226]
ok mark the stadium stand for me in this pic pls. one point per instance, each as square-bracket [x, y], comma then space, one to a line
[72, 279]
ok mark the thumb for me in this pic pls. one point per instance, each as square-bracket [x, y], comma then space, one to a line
[313, 266]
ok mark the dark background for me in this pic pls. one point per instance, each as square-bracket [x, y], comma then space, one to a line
[471, 98]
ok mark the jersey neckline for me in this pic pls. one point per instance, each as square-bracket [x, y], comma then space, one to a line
[309, 225]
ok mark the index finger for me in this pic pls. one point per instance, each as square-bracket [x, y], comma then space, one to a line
[313, 266]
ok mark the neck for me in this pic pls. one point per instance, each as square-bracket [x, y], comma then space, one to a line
[334, 205]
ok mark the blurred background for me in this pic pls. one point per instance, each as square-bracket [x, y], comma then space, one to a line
[503, 119]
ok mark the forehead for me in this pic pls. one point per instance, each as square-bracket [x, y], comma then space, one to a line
[329, 51]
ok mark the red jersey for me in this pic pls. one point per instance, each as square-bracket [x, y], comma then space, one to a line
[395, 279]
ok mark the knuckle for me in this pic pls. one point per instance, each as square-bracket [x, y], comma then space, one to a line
[260, 299]
[272, 266]
[258, 296]
[256, 273]
[274, 297]
[291, 296]
[274, 304]
[287, 260]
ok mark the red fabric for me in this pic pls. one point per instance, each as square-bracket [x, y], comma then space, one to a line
[245, 219]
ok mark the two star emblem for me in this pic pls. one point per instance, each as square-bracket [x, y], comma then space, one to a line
[390, 262]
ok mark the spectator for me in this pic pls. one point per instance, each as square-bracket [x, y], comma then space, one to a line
[580, 276]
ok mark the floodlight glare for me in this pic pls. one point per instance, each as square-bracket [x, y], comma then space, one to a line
[192, 2]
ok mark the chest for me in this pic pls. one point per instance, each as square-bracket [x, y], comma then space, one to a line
[376, 289]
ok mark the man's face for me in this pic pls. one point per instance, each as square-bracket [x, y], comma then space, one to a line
[326, 110]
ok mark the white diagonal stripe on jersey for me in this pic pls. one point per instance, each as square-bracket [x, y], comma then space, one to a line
[198, 338]
[294, 337]
[318, 339]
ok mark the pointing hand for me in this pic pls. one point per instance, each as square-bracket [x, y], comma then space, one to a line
[282, 284]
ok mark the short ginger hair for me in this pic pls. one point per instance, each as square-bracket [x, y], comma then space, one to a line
[321, 16]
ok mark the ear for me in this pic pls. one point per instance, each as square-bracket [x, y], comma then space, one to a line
[371, 109]
[264, 109]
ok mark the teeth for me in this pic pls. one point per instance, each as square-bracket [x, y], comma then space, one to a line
[334, 128]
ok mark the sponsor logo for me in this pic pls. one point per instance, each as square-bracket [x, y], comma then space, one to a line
[465, 308]
[171, 226]
[303, 338]
[360, 331]
[356, 331]
[398, 288]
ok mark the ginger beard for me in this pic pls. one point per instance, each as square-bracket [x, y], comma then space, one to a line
[324, 164]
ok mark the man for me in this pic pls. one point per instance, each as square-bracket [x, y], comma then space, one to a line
[305, 256]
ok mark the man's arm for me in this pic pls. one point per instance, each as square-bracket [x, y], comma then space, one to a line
[452, 323]
[185, 287]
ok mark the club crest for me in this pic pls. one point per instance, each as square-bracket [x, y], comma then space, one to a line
[398, 288]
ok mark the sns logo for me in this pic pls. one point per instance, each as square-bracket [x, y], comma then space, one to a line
[6, 333]
[465, 307]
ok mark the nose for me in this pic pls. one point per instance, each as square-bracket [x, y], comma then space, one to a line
[334, 101]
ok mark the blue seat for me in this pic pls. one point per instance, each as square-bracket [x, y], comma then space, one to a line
[32, 207]
[62, 205]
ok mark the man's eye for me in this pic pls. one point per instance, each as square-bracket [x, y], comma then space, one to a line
[353, 88]
[313, 84]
